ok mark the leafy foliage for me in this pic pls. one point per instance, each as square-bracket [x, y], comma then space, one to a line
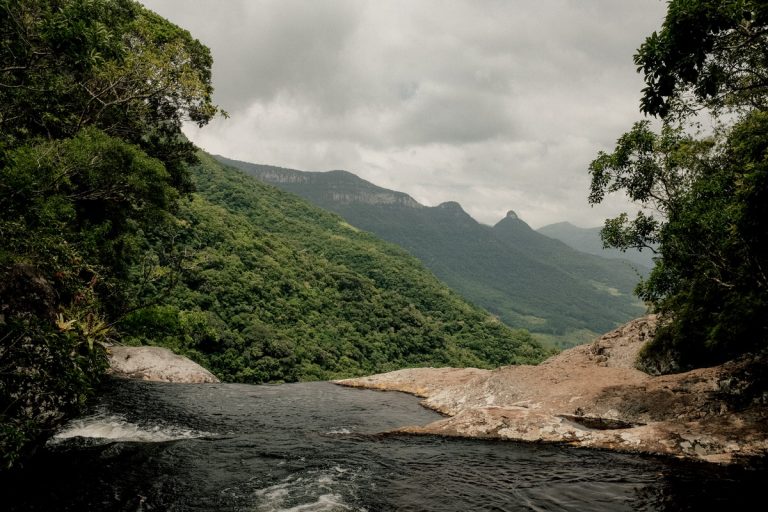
[277, 290]
[110, 64]
[92, 163]
[708, 193]
[48, 371]
[712, 276]
[708, 54]
[654, 170]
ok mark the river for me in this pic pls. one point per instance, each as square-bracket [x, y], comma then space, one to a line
[318, 447]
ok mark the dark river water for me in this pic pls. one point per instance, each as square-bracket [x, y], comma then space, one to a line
[317, 447]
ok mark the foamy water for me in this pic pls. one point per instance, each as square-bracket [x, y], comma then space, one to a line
[111, 427]
[310, 491]
[339, 431]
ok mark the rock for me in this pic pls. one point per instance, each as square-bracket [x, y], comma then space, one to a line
[156, 364]
[593, 396]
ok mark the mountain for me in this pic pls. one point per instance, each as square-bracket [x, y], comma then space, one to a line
[588, 240]
[525, 278]
[275, 289]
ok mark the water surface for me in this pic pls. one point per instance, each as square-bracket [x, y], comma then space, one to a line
[316, 447]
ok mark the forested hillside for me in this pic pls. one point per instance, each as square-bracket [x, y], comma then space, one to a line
[527, 279]
[274, 289]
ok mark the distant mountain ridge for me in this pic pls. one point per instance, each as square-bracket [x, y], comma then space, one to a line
[525, 278]
[588, 240]
[338, 186]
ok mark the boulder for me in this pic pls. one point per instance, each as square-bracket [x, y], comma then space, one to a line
[156, 364]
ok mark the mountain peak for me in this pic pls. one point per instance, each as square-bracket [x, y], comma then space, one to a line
[512, 222]
[450, 205]
[454, 209]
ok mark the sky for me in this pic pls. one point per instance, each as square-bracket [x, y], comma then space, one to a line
[497, 104]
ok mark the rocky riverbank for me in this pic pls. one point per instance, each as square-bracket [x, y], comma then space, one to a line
[156, 364]
[592, 396]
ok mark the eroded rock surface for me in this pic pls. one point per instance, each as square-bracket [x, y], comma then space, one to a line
[592, 395]
[156, 364]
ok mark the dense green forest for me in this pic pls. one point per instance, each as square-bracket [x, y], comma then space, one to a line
[274, 289]
[564, 297]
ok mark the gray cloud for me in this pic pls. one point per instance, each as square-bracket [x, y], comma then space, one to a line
[497, 104]
[451, 117]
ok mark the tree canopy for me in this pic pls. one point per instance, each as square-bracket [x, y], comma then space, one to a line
[110, 64]
[703, 196]
[708, 54]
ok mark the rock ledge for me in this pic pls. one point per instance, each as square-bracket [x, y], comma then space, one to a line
[592, 396]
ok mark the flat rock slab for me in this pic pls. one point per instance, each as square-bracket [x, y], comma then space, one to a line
[592, 396]
[156, 364]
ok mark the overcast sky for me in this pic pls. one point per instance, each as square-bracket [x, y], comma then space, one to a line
[496, 104]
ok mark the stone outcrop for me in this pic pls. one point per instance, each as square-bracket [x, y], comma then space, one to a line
[592, 396]
[156, 364]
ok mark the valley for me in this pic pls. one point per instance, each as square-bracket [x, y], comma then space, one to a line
[528, 280]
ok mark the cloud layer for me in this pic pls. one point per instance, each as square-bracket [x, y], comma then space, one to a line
[497, 104]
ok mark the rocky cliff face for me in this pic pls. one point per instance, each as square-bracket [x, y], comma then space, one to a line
[335, 187]
[592, 396]
[377, 198]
